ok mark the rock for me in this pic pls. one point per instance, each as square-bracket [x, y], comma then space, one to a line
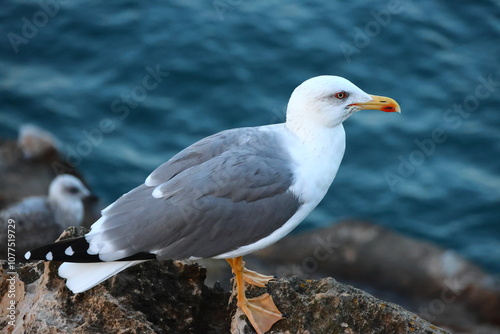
[327, 306]
[171, 297]
[132, 302]
[435, 283]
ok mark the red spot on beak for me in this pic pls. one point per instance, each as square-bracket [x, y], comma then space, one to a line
[389, 109]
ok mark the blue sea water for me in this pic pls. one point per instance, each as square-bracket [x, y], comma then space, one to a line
[79, 68]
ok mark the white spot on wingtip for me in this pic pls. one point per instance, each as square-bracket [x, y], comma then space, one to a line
[149, 181]
[49, 256]
[157, 193]
[27, 256]
[93, 250]
[69, 251]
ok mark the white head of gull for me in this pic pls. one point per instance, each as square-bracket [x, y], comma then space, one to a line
[66, 193]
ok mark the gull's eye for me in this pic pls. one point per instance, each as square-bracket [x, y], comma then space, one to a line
[341, 95]
[73, 190]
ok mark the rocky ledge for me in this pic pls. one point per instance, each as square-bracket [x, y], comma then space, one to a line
[171, 297]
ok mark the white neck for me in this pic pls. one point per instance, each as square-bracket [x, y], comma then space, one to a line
[318, 151]
[309, 131]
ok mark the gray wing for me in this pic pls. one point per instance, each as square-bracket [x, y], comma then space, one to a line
[223, 198]
[199, 152]
[34, 224]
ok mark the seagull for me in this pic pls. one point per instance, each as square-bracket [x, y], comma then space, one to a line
[225, 196]
[41, 219]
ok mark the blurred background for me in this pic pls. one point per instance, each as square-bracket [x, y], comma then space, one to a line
[124, 85]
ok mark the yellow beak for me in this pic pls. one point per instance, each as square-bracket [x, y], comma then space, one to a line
[379, 103]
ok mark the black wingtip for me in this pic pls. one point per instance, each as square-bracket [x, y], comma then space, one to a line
[75, 250]
[68, 250]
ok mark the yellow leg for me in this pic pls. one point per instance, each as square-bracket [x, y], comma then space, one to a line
[260, 311]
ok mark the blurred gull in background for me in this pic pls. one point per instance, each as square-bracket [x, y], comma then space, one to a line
[40, 219]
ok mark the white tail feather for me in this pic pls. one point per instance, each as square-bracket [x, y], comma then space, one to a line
[83, 276]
